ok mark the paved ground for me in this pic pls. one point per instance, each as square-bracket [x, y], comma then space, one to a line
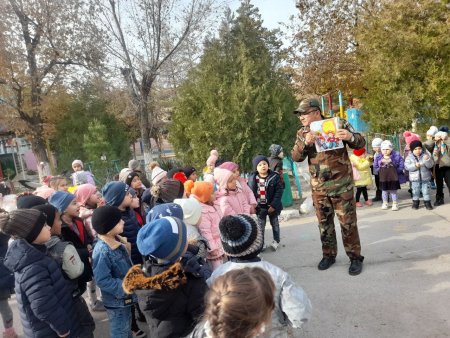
[404, 290]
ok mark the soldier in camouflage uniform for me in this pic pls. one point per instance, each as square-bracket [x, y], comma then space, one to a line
[331, 185]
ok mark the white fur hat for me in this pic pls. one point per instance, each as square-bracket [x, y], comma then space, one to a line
[432, 131]
[192, 210]
[386, 144]
[376, 142]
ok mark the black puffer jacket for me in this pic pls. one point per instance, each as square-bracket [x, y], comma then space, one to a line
[6, 276]
[68, 235]
[274, 189]
[171, 299]
[44, 299]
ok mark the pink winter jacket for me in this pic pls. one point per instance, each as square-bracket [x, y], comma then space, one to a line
[241, 183]
[229, 202]
[209, 228]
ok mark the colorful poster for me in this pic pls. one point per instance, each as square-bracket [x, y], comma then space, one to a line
[325, 134]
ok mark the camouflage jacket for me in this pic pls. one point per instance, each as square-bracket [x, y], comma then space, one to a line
[331, 171]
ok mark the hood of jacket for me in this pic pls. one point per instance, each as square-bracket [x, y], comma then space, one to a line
[21, 254]
[168, 279]
[222, 176]
[52, 242]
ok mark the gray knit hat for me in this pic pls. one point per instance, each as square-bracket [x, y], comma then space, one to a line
[240, 235]
[23, 223]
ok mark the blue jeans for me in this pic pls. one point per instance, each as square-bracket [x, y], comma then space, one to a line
[119, 322]
[421, 186]
[262, 214]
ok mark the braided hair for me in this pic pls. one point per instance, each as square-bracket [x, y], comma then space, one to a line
[240, 303]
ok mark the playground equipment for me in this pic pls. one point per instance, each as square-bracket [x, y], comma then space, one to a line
[351, 114]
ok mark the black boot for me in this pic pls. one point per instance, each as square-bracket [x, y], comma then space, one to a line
[415, 204]
[439, 201]
[326, 262]
[356, 266]
[428, 205]
[377, 196]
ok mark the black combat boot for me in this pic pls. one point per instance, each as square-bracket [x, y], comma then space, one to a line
[428, 205]
[326, 262]
[356, 266]
[415, 205]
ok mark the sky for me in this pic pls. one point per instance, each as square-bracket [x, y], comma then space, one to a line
[272, 11]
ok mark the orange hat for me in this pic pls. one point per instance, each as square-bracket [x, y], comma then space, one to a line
[188, 185]
[202, 191]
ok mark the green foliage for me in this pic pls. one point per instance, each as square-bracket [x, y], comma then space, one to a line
[237, 99]
[87, 132]
[404, 49]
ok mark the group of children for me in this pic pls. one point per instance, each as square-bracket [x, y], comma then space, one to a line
[152, 252]
[421, 165]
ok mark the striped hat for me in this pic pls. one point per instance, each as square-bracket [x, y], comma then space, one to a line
[240, 235]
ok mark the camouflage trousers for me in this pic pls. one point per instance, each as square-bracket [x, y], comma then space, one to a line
[344, 207]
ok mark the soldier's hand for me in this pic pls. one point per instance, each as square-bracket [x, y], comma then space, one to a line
[309, 138]
[344, 134]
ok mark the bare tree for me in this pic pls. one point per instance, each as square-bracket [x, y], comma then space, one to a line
[41, 43]
[147, 36]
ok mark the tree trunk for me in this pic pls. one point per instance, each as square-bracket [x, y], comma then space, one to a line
[144, 126]
[39, 151]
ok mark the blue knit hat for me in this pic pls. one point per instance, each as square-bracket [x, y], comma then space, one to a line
[61, 200]
[258, 159]
[165, 210]
[114, 193]
[164, 238]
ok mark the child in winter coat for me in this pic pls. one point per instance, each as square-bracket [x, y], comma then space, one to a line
[192, 216]
[276, 160]
[164, 192]
[376, 144]
[241, 184]
[190, 173]
[171, 298]
[116, 194]
[441, 157]
[6, 286]
[229, 197]
[89, 199]
[362, 165]
[429, 145]
[197, 262]
[111, 262]
[209, 224]
[238, 304]
[74, 231]
[208, 171]
[43, 296]
[242, 240]
[79, 172]
[418, 163]
[268, 190]
[390, 168]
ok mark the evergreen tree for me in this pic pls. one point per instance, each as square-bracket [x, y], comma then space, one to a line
[237, 99]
